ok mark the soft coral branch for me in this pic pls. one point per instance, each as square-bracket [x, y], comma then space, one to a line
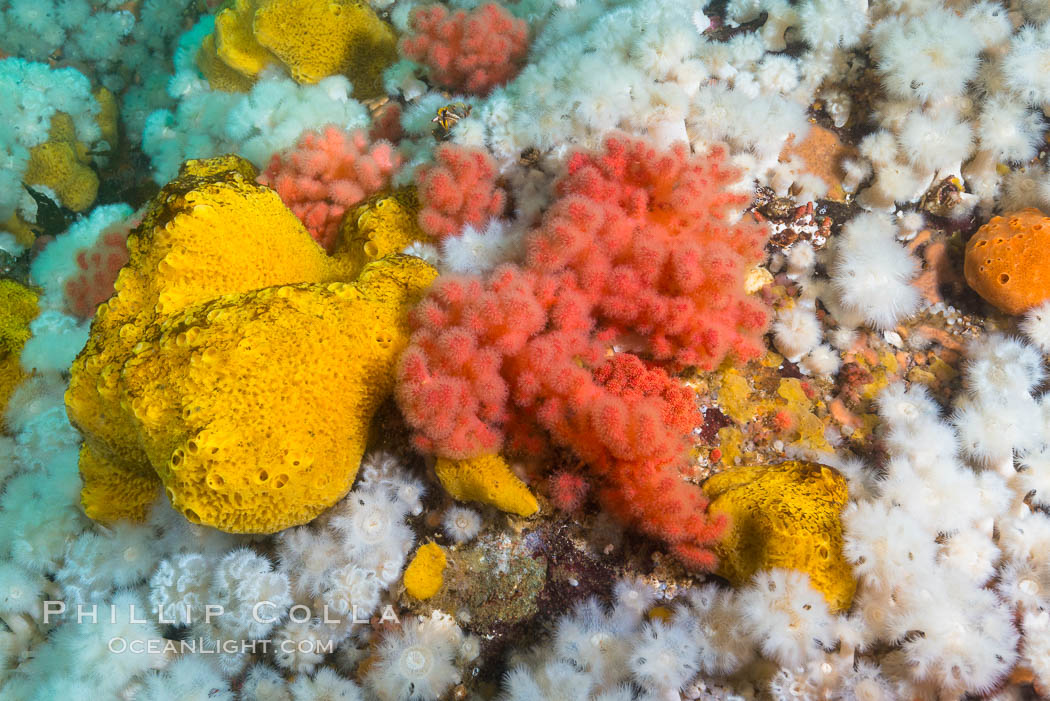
[326, 173]
[651, 237]
[639, 242]
[458, 189]
[97, 269]
[515, 356]
[467, 52]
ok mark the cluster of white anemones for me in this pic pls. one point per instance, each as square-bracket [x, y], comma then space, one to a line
[948, 541]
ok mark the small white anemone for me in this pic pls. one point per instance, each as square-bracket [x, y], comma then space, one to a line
[413, 664]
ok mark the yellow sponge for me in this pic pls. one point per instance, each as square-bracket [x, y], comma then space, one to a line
[227, 302]
[425, 574]
[487, 479]
[108, 117]
[18, 307]
[312, 38]
[17, 227]
[384, 224]
[785, 515]
[61, 163]
[234, 41]
[218, 72]
[114, 490]
[319, 38]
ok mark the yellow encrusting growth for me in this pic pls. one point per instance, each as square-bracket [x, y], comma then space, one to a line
[764, 407]
[313, 39]
[660, 613]
[731, 443]
[219, 73]
[237, 365]
[788, 516]
[16, 226]
[809, 428]
[18, 307]
[384, 224]
[487, 479]
[234, 42]
[108, 117]
[62, 164]
[734, 397]
[425, 574]
[319, 38]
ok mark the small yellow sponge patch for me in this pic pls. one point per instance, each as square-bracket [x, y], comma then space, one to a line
[788, 516]
[17, 227]
[18, 307]
[319, 38]
[487, 479]
[384, 224]
[108, 117]
[425, 574]
[225, 303]
[61, 163]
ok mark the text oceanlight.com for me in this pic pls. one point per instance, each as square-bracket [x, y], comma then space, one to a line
[163, 646]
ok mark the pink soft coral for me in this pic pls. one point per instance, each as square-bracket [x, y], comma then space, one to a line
[473, 353]
[467, 52]
[650, 237]
[328, 172]
[567, 489]
[513, 359]
[97, 269]
[637, 435]
[639, 243]
[458, 189]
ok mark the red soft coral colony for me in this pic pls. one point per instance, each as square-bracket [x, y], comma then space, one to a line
[97, 269]
[457, 190]
[467, 52]
[326, 173]
[639, 245]
[650, 237]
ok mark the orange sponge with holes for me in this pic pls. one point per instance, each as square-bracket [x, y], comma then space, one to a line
[1006, 261]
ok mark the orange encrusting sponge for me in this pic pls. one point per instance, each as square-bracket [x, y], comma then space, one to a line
[1006, 261]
